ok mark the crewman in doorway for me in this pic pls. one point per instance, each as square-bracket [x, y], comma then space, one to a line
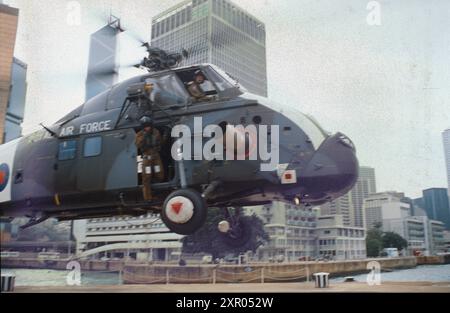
[148, 141]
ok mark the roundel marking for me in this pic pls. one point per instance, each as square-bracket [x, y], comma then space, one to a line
[179, 209]
[4, 176]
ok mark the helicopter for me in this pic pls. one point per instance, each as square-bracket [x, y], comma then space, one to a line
[86, 165]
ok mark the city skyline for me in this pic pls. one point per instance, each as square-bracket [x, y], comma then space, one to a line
[333, 71]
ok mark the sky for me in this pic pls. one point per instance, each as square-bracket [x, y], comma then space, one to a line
[386, 86]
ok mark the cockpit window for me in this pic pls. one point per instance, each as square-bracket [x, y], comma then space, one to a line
[221, 83]
[225, 76]
[197, 84]
[168, 90]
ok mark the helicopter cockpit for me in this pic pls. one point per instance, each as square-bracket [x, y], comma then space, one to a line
[173, 85]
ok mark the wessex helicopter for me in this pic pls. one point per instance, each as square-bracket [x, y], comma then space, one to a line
[86, 165]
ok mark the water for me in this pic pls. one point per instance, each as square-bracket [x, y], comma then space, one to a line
[433, 273]
[43, 277]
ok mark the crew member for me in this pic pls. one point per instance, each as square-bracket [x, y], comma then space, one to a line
[148, 141]
[194, 88]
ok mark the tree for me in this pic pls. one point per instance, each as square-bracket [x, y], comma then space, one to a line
[394, 240]
[208, 239]
[374, 242]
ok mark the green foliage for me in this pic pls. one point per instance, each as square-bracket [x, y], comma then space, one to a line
[377, 240]
[394, 240]
[208, 239]
[374, 242]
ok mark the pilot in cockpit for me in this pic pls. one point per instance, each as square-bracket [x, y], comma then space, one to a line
[195, 89]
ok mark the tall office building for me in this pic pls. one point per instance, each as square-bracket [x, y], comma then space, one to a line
[383, 206]
[16, 103]
[436, 204]
[446, 140]
[350, 205]
[101, 75]
[365, 186]
[341, 206]
[103, 58]
[8, 29]
[218, 32]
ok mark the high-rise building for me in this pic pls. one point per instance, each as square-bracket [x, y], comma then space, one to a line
[8, 29]
[103, 58]
[436, 204]
[365, 186]
[217, 32]
[350, 205]
[392, 210]
[383, 206]
[291, 230]
[341, 206]
[16, 103]
[446, 140]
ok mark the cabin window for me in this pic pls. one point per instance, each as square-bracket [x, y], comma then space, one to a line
[67, 150]
[92, 146]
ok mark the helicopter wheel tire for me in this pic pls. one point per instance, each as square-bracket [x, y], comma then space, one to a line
[184, 211]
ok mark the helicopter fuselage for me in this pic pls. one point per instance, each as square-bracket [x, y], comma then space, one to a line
[87, 164]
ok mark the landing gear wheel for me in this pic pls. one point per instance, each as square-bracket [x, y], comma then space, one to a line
[184, 211]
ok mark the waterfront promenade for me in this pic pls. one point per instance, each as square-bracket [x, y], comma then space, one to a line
[352, 287]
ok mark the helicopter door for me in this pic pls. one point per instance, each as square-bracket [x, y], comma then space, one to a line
[65, 167]
[108, 161]
[121, 152]
[90, 163]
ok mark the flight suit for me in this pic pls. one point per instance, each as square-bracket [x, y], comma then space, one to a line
[196, 91]
[149, 142]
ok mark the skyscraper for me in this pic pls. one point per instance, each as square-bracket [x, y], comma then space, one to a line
[365, 186]
[350, 205]
[436, 205]
[341, 206]
[8, 29]
[218, 32]
[102, 58]
[446, 139]
[16, 102]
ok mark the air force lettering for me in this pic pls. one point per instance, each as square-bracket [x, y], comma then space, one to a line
[95, 127]
[86, 128]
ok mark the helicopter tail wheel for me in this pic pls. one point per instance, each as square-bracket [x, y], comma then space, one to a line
[184, 211]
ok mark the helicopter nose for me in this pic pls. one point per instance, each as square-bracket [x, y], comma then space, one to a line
[331, 172]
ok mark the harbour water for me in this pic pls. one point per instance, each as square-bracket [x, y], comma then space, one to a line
[431, 273]
[44, 277]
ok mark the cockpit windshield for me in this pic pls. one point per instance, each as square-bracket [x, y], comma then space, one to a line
[223, 79]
